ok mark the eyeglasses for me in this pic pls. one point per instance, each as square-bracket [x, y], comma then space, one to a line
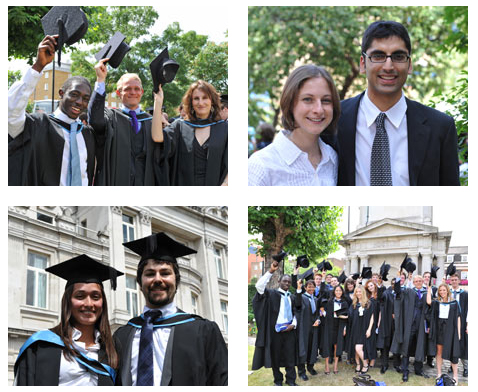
[398, 57]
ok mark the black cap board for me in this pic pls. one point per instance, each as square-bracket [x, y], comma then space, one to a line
[303, 261]
[355, 276]
[224, 98]
[342, 313]
[84, 269]
[280, 256]
[158, 246]
[451, 269]
[410, 266]
[70, 23]
[384, 268]
[405, 261]
[366, 272]
[342, 278]
[115, 50]
[163, 70]
[324, 265]
[309, 274]
[433, 273]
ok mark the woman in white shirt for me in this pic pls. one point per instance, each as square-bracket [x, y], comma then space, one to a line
[310, 107]
[79, 351]
[444, 334]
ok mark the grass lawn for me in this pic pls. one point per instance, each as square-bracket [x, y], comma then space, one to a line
[263, 376]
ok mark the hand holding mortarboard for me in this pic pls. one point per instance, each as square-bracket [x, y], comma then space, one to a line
[45, 53]
[274, 266]
[101, 70]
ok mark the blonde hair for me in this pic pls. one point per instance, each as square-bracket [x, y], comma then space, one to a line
[448, 293]
[364, 302]
[119, 84]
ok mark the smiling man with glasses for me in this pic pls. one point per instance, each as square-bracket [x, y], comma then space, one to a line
[384, 138]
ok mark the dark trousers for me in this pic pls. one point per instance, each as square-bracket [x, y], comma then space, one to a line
[285, 343]
[418, 366]
[301, 367]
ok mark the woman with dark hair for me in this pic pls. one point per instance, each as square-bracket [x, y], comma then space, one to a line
[80, 350]
[349, 287]
[196, 146]
[372, 293]
[310, 107]
[335, 328]
[444, 335]
[360, 328]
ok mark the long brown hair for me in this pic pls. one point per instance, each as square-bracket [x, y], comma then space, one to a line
[65, 328]
[210, 92]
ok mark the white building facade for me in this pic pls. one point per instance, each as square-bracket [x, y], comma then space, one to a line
[39, 237]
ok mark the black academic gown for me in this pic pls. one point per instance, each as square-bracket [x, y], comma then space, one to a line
[451, 346]
[35, 156]
[180, 136]
[196, 353]
[385, 329]
[266, 309]
[357, 328]
[118, 163]
[404, 312]
[307, 335]
[39, 365]
[464, 315]
[327, 348]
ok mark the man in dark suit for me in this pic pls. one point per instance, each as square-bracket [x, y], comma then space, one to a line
[385, 138]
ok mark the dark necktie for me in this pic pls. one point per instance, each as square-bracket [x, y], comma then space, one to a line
[134, 121]
[380, 170]
[145, 375]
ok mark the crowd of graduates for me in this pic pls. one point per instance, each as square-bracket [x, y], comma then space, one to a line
[360, 319]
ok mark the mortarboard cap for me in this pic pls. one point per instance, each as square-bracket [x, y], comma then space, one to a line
[84, 269]
[384, 268]
[115, 50]
[324, 265]
[158, 246]
[309, 274]
[163, 70]
[433, 273]
[224, 98]
[451, 269]
[366, 272]
[405, 261]
[342, 313]
[303, 261]
[280, 256]
[410, 266]
[342, 278]
[70, 23]
[355, 276]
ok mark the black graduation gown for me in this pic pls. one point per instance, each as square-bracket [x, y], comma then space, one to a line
[196, 353]
[39, 365]
[451, 346]
[35, 156]
[385, 329]
[404, 311]
[464, 314]
[116, 159]
[328, 331]
[357, 329]
[307, 335]
[180, 153]
[266, 309]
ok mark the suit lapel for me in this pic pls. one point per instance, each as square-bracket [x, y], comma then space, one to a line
[418, 133]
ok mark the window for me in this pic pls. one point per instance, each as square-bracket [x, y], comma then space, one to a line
[46, 86]
[128, 228]
[131, 296]
[219, 266]
[194, 303]
[47, 75]
[449, 258]
[36, 280]
[224, 315]
[464, 275]
[44, 218]
[464, 258]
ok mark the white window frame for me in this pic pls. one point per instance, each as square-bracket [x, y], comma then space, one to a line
[129, 226]
[225, 319]
[131, 295]
[218, 260]
[37, 272]
[194, 303]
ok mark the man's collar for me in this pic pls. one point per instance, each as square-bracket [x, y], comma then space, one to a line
[166, 310]
[127, 110]
[58, 114]
[395, 114]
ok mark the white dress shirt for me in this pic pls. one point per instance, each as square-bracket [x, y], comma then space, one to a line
[396, 126]
[283, 163]
[17, 104]
[74, 374]
[160, 342]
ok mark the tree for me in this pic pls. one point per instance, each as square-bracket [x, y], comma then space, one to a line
[297, 230]
[13, 76]
[282, 38]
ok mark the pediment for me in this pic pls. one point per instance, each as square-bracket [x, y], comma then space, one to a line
[388, 227]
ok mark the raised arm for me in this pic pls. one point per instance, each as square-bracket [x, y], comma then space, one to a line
[157, 126]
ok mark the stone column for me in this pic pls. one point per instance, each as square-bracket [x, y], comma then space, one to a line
[354, 267]
[426, 263]
[441, 263]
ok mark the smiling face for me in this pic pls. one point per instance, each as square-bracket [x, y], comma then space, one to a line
[313, 109]
[86, 303]
[338, 292]
[131, 92]
[74, 99]
[443, 293]
[201, 103]
[385, 80]
[285, 282]
[371, 286]
[158, 283]
[310, 288]
[418, 282]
